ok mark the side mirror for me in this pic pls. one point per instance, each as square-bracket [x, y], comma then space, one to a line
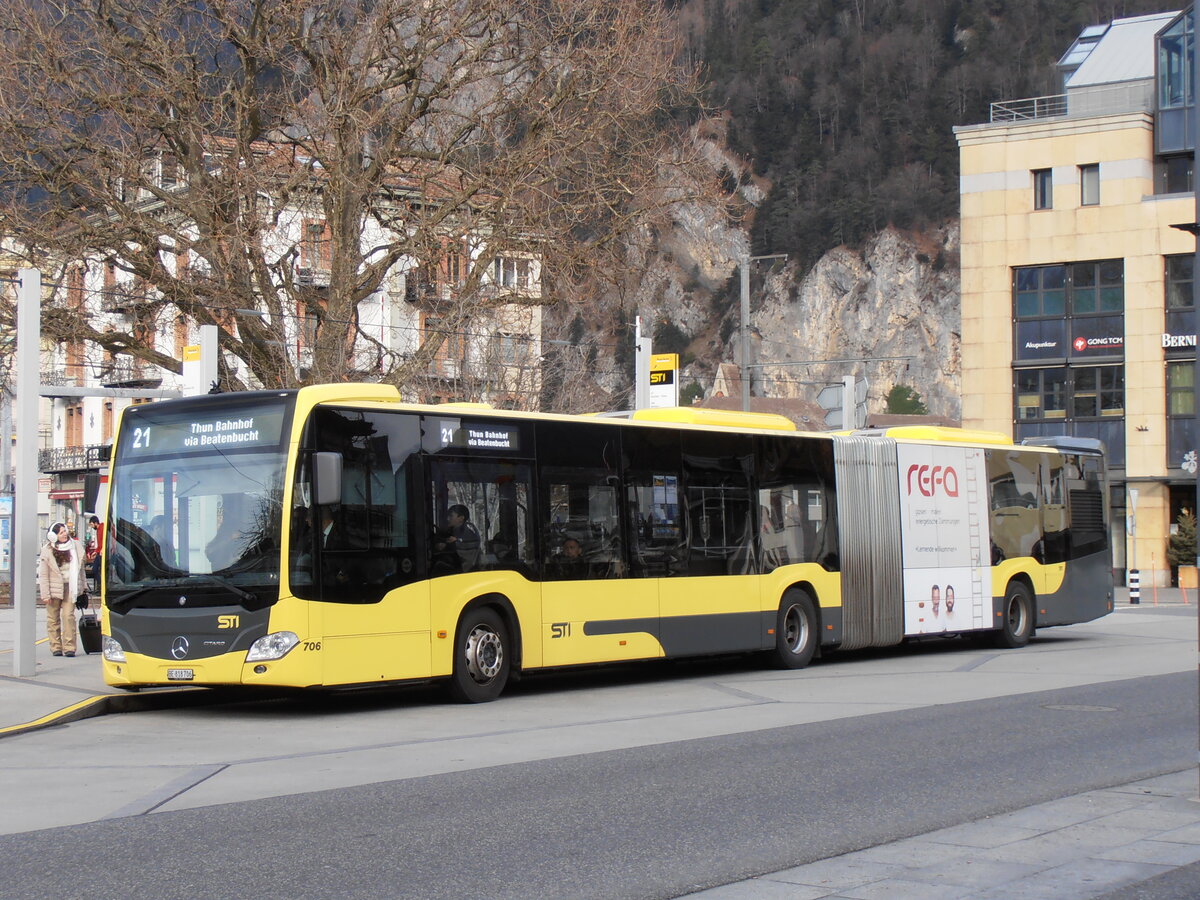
[327, 473]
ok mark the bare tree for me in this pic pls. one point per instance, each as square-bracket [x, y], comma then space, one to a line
[211, 155]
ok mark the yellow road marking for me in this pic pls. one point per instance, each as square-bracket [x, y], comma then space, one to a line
[42, 641]
[52, 718]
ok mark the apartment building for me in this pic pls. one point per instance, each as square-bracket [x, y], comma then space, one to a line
[489, 354]
[1077, 310]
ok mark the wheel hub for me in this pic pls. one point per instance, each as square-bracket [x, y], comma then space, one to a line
[795, 629]
[485, 654]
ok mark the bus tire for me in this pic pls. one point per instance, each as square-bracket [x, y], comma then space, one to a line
[1016, 617]
[482, 656]
[796, 630]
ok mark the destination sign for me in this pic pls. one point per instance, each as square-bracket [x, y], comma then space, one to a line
[478, 435]
[145, 432]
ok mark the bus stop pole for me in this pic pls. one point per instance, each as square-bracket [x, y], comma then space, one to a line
[24, 522]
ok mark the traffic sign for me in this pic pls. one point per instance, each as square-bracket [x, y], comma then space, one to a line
[830, 398]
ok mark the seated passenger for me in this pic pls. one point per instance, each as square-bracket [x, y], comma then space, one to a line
[460, 537]
[569, 564]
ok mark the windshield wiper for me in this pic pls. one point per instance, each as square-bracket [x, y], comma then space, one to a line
[223, 582]
[123, 603]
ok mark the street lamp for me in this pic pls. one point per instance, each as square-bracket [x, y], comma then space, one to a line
[745, 317]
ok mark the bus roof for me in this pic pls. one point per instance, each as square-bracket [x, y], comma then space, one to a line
[943, 434]
[722, 418]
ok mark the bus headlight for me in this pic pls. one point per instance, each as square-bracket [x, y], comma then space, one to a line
[272, 646]
[113, 651]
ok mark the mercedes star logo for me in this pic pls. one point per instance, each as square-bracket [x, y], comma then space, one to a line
[179, 647]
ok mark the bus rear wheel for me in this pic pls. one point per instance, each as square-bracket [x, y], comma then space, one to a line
[481, 658]
[1016, 620]
[796, 630]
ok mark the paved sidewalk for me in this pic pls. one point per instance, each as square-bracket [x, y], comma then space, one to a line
[1139, 841]
[65, 689]
[1077, 847]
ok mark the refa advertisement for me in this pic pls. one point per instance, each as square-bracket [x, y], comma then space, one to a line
[944, 525]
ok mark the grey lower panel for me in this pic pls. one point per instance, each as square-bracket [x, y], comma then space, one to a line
[720, 633]
[1086, 593]
[868, 502]
[188, 633]
[697, 635]
[831, 626]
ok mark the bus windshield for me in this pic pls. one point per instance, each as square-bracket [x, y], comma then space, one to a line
[196, 502]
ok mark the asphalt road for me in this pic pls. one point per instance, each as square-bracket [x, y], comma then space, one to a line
[643, 822]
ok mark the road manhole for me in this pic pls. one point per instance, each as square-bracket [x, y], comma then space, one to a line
[1072, 707]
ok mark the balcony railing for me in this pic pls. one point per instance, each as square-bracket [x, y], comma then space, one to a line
[1092, 100]
[71, 459]
[1028, 109]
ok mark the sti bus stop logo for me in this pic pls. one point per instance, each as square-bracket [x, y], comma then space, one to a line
[930, 479]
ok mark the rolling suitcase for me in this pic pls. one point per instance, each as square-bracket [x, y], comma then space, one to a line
[89, 631]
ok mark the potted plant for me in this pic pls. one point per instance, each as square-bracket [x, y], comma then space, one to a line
[1181, 549]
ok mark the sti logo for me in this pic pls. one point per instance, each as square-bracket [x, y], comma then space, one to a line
[930, 478]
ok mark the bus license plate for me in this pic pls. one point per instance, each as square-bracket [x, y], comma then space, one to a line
[180, 674]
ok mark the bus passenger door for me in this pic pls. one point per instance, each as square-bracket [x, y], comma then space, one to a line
[362, 557]
[711, 602]
[592, 610]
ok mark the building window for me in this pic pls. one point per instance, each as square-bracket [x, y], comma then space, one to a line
[1042, 393]
[1069, 311]
[1173, 175]
[308, 323]
[1070, 318]
[1041, 291]
[1175, 70]
[448, 359]
[1089, 185]
[315, 245]
[1098, 391]
[1043, 189]
[1083, 401]
[513, 273]
[1179, 326]
[1179, 281]
[1097, 287]
[1181, 411]
[511, 349]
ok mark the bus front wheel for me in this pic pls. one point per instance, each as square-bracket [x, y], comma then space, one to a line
[1016, 619]
[481, 658]
[796, 630]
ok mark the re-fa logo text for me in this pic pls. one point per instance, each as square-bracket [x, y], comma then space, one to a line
[930, 478]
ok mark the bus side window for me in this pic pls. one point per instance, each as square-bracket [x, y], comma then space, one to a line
[796, 506]
[1089, 507]
[580, 498]
[1016, 522]
[496, 531]
[364, 546]
[1055, 530]
[655, 508]
[720, 522]
[583, 511]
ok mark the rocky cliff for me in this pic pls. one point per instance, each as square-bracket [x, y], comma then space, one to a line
[891, 310]
[888, 312]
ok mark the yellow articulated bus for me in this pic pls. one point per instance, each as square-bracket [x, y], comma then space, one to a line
[333, 535]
